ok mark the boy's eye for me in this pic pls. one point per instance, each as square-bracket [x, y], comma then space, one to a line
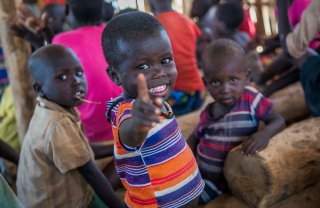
[143, 67]
[63, 77]
[79, 73]
[215, 83]
[166, 61]
[234, 80]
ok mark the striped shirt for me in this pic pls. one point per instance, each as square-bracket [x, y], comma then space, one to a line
[162, 172]
[219, 136]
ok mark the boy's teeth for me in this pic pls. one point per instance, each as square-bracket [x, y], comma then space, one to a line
[158, 89]
[78, 93]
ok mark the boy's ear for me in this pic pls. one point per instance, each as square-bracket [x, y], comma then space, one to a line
[38, 89]
[113, 75]
[248, 75]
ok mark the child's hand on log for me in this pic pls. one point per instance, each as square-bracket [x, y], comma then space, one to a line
[257, 142]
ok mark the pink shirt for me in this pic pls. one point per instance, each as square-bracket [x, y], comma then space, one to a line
[86, 43]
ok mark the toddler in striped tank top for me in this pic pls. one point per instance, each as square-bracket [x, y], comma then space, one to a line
[232, 119]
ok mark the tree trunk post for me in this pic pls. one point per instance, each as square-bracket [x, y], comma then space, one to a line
[17, 52]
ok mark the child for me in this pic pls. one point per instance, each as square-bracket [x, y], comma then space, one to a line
[56, 167]
[154, 163]
[247, 25]
[86, 19]
[202, 42]
[227, 21]
[189, 92]
[233, 117]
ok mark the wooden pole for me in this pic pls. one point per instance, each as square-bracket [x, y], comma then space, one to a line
[16, 53]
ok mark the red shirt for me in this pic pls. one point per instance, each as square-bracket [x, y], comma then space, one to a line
[183, 34]
[247, 25]
[62, 2]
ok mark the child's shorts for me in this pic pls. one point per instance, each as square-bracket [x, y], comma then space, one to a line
[211, 191]
[96, 202]
[183, 102]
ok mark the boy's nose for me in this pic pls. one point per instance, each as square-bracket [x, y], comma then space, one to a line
[225, 88]
[158, 73]
[76, 80]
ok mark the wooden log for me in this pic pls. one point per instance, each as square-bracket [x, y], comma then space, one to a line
[17, 52]
[290, 103]
[307, 198]
[287, 166]
[225, 201]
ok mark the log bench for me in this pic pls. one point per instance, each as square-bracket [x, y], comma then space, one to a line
[284, 175]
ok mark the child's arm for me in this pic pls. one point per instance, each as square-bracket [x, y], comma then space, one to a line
[260, 140]
[102, 150]
[8, 153]
[100, 184]
[31, 28]
[285, 28]
[145, 115]
[192, 141]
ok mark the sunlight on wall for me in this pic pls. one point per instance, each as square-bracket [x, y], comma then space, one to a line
[178, 5]
[127, 3]
[141, 6]
[266, 22]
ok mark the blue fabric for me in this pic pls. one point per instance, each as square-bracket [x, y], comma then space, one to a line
[310, 80]
[4, 81]
[211, 191]
[183, 102]
[7, 197]
[96, 202]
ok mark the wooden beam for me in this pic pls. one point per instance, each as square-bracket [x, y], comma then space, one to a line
[17, 52]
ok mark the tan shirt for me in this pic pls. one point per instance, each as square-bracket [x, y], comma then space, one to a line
[53, 149]
[305, 31]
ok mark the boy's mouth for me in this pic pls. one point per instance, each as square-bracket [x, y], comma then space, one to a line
[79, 94]
[158, 89]
[227, 100]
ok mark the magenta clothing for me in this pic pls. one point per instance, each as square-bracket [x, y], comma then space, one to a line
[295, 12]
[86, 43]
[296, 9]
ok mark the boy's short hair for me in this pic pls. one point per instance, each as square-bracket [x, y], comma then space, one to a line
[231, 13]
[127, 27]
[41, 59]
[86, 10]
[223, 48]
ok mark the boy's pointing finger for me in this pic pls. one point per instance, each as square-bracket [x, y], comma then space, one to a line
[143, 88]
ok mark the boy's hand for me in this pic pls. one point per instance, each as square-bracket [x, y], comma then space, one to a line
[257, 142]
[21, 31]
[31, 22]
[145, 112]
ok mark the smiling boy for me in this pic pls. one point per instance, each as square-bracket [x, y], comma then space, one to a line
[152, 159]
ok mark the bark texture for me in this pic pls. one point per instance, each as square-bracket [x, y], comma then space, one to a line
[286, 167]
[17, 52]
